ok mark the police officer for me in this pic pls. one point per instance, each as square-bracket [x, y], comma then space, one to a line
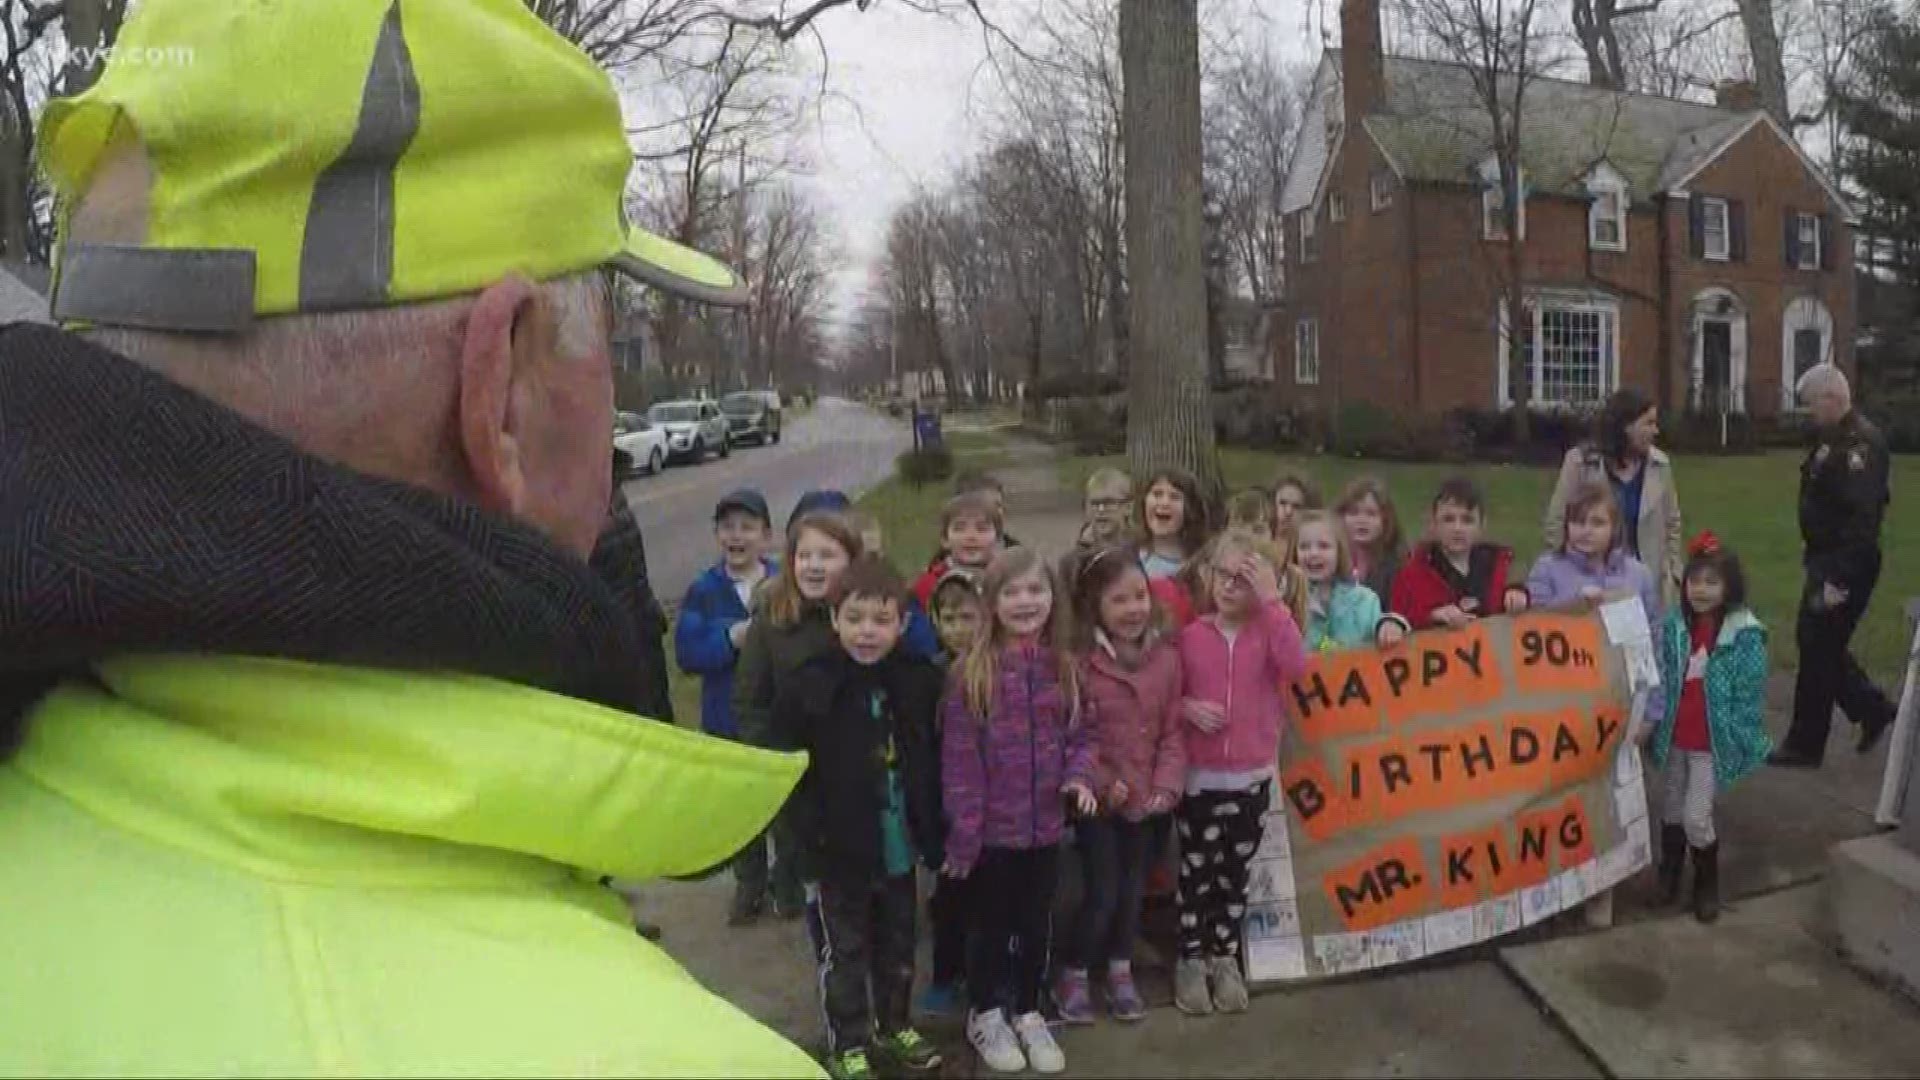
[1843, 497]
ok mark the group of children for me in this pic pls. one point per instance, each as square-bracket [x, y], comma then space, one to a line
[968, 726]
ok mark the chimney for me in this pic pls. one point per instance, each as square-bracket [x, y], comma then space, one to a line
[1363, 80]
[1738, 95]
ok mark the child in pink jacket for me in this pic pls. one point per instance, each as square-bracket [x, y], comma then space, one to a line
[1235, 659]
[1130, 674]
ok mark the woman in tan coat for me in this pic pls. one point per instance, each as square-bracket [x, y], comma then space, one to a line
[1622, 455]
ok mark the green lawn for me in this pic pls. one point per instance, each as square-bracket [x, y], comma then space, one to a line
[1748, 501]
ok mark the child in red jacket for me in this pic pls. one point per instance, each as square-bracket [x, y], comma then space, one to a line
[972, 531]
[1455, 577]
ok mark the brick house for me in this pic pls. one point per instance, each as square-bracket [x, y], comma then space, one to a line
[1690, 250]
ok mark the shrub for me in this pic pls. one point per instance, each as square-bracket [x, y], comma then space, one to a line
[1068, 384]
[1902, 428]
[925, 466]
[1095, 425]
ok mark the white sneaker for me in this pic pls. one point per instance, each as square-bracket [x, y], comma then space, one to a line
[993, 1040]
[1042, 1052]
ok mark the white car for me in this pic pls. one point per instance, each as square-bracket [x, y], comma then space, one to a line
[638, 444]
[693, 428]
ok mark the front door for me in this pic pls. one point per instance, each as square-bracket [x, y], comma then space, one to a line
[1807, 347]
[1716, 367]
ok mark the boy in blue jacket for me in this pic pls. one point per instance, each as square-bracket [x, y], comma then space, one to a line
[713, 622]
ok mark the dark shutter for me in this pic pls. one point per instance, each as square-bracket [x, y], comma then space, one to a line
[1697, 226]
[1826, 242]
[1792, 234]
[1736, 230]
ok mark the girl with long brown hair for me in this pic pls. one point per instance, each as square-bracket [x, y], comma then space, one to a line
[1375, 544]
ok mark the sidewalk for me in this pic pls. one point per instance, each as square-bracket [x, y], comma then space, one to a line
[1658, 995]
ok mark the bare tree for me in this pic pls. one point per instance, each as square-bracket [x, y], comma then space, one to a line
[1597, 24]
[1169, 415]
[50, 48]
[914, 282]
[1254, 105]
[1498, 43]
[1768, 59]
[1681, 49]
[724, 131]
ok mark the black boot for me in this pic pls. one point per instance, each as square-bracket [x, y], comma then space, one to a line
[1706, 882]
[1673, 860]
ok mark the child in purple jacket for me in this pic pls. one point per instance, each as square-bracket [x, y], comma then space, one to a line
[1016, 748]
[1592, 564]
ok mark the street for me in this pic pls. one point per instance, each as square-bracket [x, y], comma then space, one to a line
[837, 444]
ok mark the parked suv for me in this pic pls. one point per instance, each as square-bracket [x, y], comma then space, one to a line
[693, 428]
[637, 445]
[753, 414]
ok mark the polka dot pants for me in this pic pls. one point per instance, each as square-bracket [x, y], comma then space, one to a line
[1219, 832]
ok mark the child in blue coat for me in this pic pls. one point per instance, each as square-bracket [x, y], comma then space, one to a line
[1711, 731]
[713, 624]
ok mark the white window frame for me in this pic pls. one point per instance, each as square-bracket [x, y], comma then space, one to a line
[1306, 352]
[1380, 191]
[1808, 226]
[1708, 205]
[1309, 236]
[1803, 313]
[1337, 207]
[1608, 310]
[1604, 184]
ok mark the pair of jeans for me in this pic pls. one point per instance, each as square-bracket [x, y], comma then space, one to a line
[865, 956]
[1010, 896]
[1113, 866]
[948, 919]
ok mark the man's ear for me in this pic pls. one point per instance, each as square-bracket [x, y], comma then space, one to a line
[498, 346]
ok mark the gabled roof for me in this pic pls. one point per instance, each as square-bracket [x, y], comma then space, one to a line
[1434, 128]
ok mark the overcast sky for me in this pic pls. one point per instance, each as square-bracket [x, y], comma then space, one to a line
[907, 95]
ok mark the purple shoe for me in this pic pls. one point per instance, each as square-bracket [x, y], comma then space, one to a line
[1123, 998]
[1073, 997]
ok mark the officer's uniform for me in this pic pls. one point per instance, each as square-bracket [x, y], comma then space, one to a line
[1843, 497]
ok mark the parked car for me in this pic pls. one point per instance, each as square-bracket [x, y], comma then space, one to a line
[753, 414]
[693, 428]
[637, 444]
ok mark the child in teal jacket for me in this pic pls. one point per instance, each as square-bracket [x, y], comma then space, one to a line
[1708, 726]
[1341, 613]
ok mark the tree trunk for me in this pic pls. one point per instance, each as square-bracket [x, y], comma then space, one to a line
[1169, 414]
[1769, 68]
[1519, 332]
[1593, 25]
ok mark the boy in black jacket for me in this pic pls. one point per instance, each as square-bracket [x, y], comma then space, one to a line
[866, 810]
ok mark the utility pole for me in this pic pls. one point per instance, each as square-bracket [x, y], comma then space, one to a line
[741, 328]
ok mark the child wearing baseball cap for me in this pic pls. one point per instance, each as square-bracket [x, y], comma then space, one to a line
[713, 624]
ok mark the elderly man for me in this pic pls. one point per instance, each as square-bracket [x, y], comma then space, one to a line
[322, 723]
[1843, 497]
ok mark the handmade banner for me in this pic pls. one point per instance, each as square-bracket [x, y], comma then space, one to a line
[1451, 790]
